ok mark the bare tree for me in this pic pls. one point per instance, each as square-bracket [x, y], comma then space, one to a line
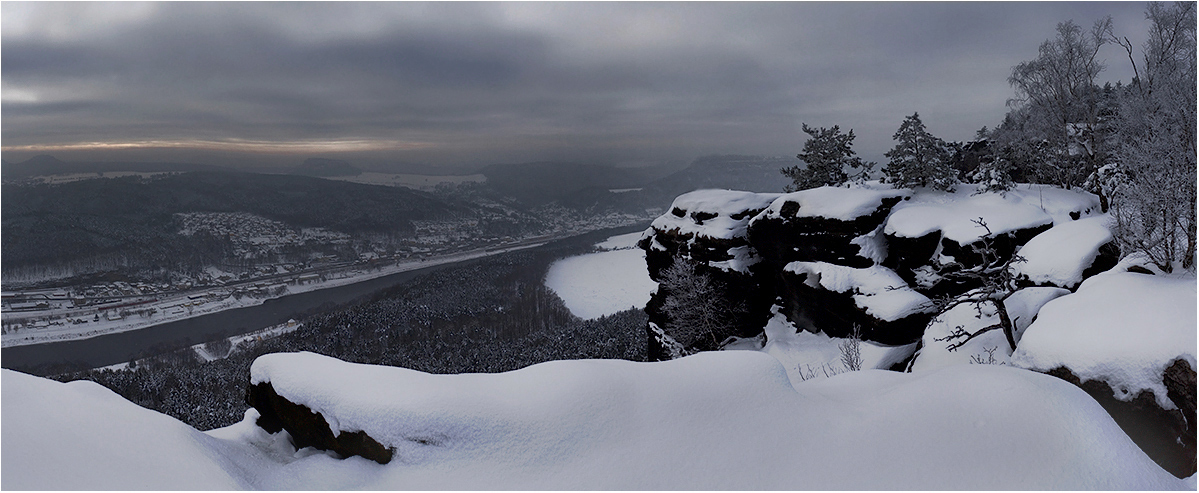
[998, 283]
[1061, 100]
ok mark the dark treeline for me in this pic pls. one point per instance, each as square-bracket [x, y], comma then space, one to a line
[490, 316]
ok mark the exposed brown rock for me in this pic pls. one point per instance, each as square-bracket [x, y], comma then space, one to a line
[1164, 435]
[308, 428]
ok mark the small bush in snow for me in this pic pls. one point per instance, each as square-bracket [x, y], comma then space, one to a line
[851, 350]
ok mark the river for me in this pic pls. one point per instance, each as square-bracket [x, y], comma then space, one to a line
[95, 352]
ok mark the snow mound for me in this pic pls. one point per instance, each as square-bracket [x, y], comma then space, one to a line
[717, 420]
[1060, 255]
[991, 347]
[602, 283]
[82, 436]
[1028, 206]
[723, 203]
[845, 204]
[876, 289]
[1122, 328]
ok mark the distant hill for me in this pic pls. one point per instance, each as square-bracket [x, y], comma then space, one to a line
[542, 182]
[133, 218]
[734, 172]
[324, 167]
[593, 190]
[45, 164]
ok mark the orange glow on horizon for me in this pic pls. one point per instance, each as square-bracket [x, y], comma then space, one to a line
[242, 145]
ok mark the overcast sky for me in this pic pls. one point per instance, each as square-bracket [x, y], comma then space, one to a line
[479, 83]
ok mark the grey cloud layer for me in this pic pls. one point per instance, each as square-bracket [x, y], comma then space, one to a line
[525, 80]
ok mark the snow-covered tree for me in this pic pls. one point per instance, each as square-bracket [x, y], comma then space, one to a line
[826, 153]
[696, 305]
[1061, 101]
[1154, 201]
[919, 159]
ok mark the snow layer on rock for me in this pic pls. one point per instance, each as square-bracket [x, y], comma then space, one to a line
[723, 203]
[603, 283]
[845, 204]
[808, 356]
[1060, 255]
[743, 258]
[953, 213]
[716, 420]
[876, 289]
[991, 347]
[82, 436]
[1122, 328]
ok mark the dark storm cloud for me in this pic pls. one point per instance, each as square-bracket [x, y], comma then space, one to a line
[504, 81]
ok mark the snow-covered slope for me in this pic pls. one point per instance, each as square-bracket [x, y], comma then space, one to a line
[81, 436]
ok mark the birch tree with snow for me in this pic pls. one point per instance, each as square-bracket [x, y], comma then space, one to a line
[1154, 175]
[1060, 104]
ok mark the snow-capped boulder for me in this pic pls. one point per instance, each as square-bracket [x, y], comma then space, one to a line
[717, 420]
[1125, 338]
[830, 298]
[936, 229]
[309, 428]
[1067, 254]
[825, 224]
[706, 226]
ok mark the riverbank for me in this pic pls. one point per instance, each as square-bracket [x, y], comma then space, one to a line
[84, 324]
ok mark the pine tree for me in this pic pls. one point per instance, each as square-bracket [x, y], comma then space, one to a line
[919, 159]
[827, 152]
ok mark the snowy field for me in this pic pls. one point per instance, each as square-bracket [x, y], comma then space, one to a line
[419, 182]
[603, 283]
[721, 420]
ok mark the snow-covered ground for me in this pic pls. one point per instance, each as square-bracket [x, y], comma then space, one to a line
[722, 420]
[606, 282]
[181, 306]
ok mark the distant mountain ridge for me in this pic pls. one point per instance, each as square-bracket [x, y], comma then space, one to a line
[324, 167]
[45, 164]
